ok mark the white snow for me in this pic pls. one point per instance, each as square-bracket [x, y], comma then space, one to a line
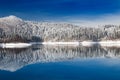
[11, 20]
[108, 43]
[14, 45]
[84, 43]
[88, 43]
[11, 17]
[24, 45]
[57, 43]
[60, 43]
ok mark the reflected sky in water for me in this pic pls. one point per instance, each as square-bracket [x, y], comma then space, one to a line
[60, 63]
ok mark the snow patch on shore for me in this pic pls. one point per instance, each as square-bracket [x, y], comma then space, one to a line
[88, 43]
[15, 45]
[25, 45]
[60, 43]
[84, 43]
[108, 43]
[56, 43]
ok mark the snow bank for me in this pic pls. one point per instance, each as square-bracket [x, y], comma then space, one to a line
[15, 45]
[56, 43]
[88, 43]
[24, 45]
[84, 43]
[108, 43]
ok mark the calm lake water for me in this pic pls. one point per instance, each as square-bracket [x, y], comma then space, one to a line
[60, 63]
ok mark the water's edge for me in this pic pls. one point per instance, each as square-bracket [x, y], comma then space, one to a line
[84, 43]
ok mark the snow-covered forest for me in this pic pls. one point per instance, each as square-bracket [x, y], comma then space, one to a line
[14, 29]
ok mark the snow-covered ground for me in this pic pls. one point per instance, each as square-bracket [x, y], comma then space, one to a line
[108, 43]
[57, 43]
[88, 43]
[15, 45]
[24, 45]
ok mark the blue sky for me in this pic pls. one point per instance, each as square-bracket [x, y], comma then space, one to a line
[59, 9]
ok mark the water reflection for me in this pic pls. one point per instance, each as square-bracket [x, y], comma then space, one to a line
[14, 59]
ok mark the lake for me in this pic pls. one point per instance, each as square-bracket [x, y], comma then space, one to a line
[60, 63]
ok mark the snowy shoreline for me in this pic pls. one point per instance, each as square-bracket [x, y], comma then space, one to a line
[108, 43]
[84, 43]
[15, 45]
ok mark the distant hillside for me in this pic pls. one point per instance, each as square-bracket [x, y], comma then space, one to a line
[14, 29]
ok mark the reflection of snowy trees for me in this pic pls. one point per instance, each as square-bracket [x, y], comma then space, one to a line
[14, 59]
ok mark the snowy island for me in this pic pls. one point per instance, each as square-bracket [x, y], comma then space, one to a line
[15, 30]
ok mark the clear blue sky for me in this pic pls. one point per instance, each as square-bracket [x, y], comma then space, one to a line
[58, 9]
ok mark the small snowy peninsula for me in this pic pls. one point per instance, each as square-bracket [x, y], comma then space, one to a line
[16, 30]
